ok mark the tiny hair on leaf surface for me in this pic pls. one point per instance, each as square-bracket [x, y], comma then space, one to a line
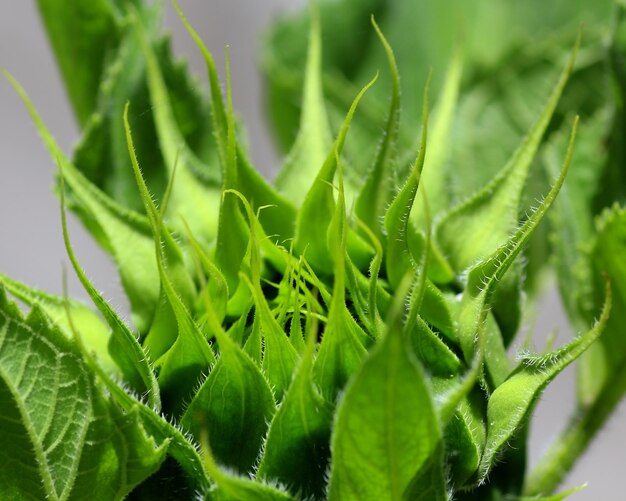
[346, 330]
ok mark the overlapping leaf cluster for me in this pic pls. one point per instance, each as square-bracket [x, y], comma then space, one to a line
[322, 337]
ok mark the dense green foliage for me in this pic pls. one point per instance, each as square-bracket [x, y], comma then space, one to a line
[343, 332]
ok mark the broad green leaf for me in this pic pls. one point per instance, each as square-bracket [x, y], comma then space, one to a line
[122, 233]
[511, 403]
[62, 436]
[386, 430]
[91, 327]
[296, 451]
[46, 388]
[83, 34]
[301, 166]
[233, 406]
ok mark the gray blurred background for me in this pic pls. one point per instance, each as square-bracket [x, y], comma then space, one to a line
[31, 248]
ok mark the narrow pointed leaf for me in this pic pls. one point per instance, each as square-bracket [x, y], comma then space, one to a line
[301, 166]
[123, 345]
[378, 191]
[476, 228]
[511, 403]
[122, 233]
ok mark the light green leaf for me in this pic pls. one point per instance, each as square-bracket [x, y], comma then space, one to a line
[297, 450]
[386, 430]
[378, 191]
[190, 354]
[319, 205]
[301, 166]
[483, 277]
[82, 34]
[511, 403]
[91, 327]
[62, 437]
[479, 226]
[122, 233]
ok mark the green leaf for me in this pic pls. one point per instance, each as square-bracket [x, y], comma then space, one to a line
[378, 190]
[319, 204]
[342, 347]
[190, 354]
[233, 405]
[386, 430]
[511, 403]
[301, 166]
[476, 228]
[297, 450]
[122, 233]
[65, 438]
[83, 34]
[483, 277]
[123, 345]
[94, 331]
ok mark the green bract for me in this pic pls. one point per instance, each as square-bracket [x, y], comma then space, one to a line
[341, 333]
